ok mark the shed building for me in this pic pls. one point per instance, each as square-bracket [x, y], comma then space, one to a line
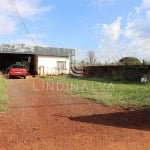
[38, 60]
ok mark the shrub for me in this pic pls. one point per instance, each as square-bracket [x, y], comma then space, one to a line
[130, 61]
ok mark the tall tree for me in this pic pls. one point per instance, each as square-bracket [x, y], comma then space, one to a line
[91, 57]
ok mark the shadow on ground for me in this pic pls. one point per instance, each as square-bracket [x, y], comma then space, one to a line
[139, 119]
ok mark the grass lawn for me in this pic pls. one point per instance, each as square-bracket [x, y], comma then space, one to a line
[3, 97]
[107, 92]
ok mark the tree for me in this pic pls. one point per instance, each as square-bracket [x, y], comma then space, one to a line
[130, 61]
[91, 57]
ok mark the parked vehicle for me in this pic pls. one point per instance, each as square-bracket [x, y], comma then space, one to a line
[16, 70]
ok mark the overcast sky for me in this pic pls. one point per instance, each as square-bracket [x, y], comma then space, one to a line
[111, 28]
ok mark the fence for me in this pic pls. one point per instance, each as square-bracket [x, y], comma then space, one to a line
[134, 72]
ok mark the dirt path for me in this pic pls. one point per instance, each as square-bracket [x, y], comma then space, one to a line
[42, 117]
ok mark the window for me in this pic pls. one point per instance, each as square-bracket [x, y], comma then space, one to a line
[61, 65]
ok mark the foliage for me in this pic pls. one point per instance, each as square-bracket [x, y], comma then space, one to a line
[24, 64]
[3, 97]
[108, 92]
[130, 61]
[91, 57]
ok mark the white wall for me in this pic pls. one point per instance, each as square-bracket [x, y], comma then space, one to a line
[47, 65]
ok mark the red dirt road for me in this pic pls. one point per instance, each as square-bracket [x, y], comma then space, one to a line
[42, 117]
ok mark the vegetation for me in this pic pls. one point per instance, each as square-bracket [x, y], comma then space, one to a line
[3, 97]
[91, 57]
[130, 61]
[108, 92]
[24, 64]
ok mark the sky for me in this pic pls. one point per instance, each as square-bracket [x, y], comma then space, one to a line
[111, 28]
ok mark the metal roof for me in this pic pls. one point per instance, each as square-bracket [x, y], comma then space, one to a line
[38, 50]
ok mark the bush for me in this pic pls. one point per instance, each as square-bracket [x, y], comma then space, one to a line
[3, 97]
[130, 61]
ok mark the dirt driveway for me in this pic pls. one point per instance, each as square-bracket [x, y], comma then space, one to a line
[42, 117]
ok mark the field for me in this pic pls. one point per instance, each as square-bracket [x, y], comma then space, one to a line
[107, 92]
[3, 97]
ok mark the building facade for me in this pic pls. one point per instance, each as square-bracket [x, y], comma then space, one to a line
[40, 60]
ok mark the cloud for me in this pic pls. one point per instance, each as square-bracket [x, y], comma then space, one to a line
[132, 39]
[29, 8]
[138, 28]
[138, 24]
[112, 31]
[145, 4]
[10, 9]
[109, 38]
[4, 7]
[7, 25]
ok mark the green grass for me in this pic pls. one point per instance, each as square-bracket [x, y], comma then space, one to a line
[3, 97]
[108, 92]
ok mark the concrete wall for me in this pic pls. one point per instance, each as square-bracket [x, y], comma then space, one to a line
[47, 65]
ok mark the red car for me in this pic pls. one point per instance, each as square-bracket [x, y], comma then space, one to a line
[17, 71]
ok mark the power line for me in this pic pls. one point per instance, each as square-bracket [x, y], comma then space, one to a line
[13, 5]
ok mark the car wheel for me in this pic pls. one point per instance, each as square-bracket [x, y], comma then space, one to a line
[24, 77]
